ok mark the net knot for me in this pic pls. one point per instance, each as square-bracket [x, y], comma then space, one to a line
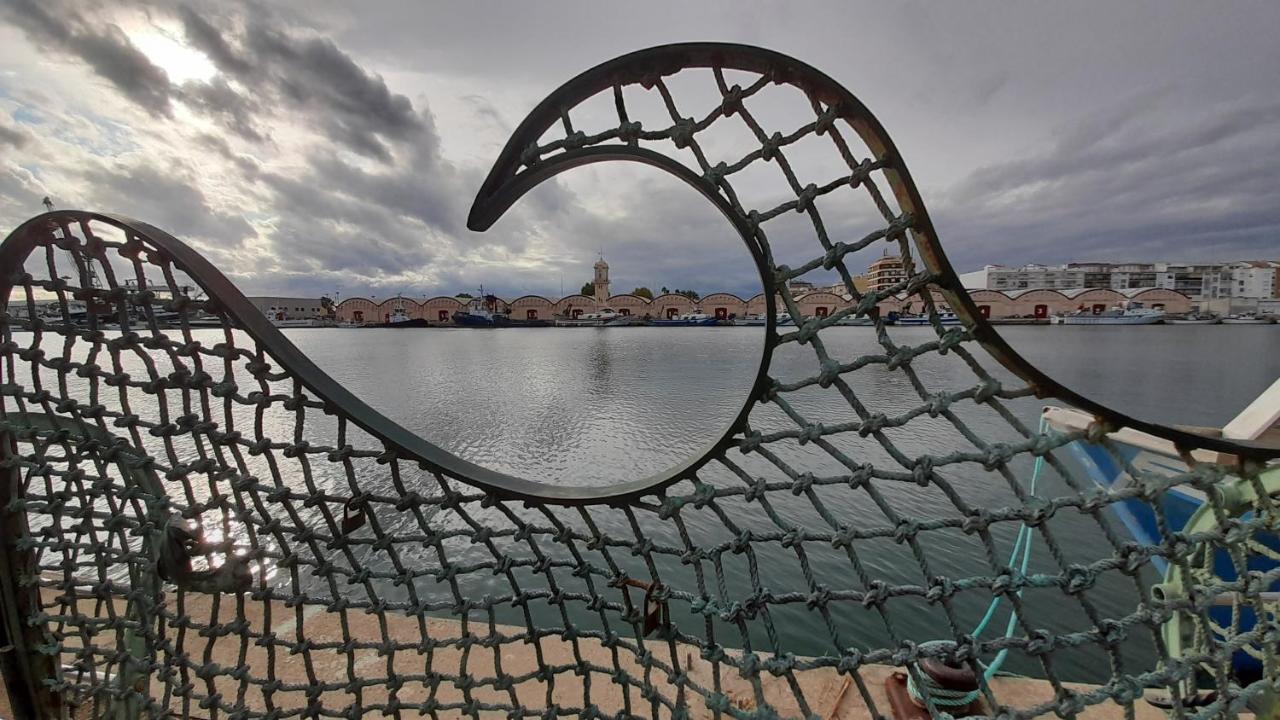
[861, 173]
[716, 173]
[1113, 632]
[682, 133]
[810, 432]
[1036, 510]
[987, 389]
[1008, 582]
[826, 119]
[808, 330]
[844, 537]
[829, 372]
[731, 101]
[819, 598]
[804, 200]
[756, 490]
[769, 149]
[802, 483]
[922, 471]
[940, 588]
[751, 441]
[1041, 642]
[850, 661]
[901, 356]
[875, 595]
[873, 423]
[629, 131]
[996, 456]
[908, 653]
[905, 531]
[1079, 578]
[832, 257]
[861, 477]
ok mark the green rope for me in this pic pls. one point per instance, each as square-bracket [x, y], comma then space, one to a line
[946, 697]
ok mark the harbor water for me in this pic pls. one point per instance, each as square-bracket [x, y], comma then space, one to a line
[605, 405]
[599, 406]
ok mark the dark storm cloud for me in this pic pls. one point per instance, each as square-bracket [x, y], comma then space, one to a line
[102, 46]
[233, 110]
[312, 75]
[1113, 190]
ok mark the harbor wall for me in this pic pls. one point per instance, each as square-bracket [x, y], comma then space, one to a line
[995, 304]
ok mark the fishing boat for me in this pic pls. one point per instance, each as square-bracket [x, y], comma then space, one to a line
[400, 318]
[945, 317]
[1193, 319]
[1108, 466]
[481, 312]
[855, 321]
[623, 321]
[761, 320]
[1132, 313]
[1246, 319]
[687, 320]
[599, 318]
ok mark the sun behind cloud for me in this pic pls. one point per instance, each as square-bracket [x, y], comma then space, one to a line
[165, 48]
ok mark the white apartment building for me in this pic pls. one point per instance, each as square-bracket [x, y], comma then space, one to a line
[1200, 281]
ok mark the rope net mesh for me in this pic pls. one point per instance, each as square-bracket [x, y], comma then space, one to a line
[194, 531]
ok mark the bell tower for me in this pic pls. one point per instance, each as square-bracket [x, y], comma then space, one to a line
[601, 280]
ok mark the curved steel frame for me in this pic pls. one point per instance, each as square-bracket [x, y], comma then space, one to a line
[19, 244]
[507, 182]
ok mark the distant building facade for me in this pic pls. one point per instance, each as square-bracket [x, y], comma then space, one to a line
[1198, 281]
[885, 273]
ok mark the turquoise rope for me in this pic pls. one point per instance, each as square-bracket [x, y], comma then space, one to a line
[953, 698]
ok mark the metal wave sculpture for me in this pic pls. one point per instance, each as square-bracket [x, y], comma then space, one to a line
[199, 522]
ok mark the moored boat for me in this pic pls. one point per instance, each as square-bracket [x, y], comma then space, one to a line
[945, 317]
[1246, 319]
[1181, 505]
[1193, 319]
[599, 318]
[400, 319]
[855, 321]
[481, 312]
[1132, 313]
[761, 320]
[687, 320]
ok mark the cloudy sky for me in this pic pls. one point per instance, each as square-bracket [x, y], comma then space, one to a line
[317, 147]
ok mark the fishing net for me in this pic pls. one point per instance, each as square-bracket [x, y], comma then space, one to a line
[198, 522]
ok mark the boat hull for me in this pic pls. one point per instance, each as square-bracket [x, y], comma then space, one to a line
[919, 321]
[1177, 505]
[1102, 320]
[404, 324]
[468, 320]
[685, 323]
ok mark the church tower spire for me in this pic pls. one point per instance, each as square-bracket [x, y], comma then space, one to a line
[601, 280]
